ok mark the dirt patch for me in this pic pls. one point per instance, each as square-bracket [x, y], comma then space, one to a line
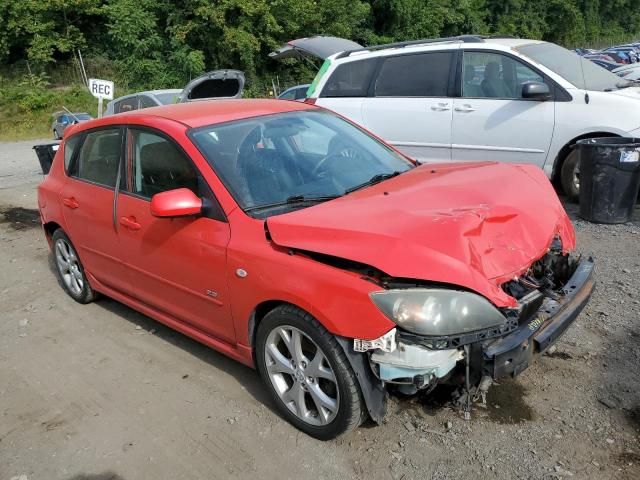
[506, 403]
[19, 218]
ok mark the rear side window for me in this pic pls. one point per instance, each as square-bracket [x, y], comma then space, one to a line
[126, 105]
[350, 79]
[70, 146]
[146, 102]
[420, 75]
[158, 166]
[100, 156]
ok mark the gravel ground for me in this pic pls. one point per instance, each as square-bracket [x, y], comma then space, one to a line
[100, 392]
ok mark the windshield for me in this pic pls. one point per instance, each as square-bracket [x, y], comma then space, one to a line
[580, 72]
[82, 116]
[167, 98]
[284, 161]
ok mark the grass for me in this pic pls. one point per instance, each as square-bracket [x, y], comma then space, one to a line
[26, 109]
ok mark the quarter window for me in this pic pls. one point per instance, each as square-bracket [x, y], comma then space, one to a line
[350, 79]
[70, 146]
[492, 75]
[100, 157]
[158, 165]
[420, 75]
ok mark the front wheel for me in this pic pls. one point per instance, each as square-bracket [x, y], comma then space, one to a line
[570, 176]
[308, 374]
[56, 135]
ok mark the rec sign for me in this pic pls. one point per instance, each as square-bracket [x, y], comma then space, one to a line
[101, 88]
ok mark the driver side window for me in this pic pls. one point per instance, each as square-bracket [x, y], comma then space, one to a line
[493, 75]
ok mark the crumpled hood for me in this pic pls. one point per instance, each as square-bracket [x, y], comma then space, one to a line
[473, 225]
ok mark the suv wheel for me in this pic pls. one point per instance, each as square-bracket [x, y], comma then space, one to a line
[70, 272]
[570, 176]
[308, 374]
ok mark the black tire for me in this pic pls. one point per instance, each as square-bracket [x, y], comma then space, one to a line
[570, 170]
[351, 410]
[84, 293]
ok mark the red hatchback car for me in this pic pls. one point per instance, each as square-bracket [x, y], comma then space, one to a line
[291, 240]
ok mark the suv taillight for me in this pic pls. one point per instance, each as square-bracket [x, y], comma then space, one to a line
[310, 101]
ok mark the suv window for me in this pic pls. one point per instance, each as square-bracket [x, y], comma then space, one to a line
[350, 79]
[158, 166]
[126, 105]
[100, 156]
[420, 75]
[70, 145]
[492, 75]
[146, 102]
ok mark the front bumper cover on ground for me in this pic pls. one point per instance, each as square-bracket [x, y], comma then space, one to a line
[512, 354]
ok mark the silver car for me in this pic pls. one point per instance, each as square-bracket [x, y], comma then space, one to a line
[136, 101]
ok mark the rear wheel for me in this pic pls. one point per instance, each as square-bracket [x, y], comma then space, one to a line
[308, 374]
[570, 176]
[70, 272]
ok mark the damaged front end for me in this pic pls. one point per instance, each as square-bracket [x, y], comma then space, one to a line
[457, 337]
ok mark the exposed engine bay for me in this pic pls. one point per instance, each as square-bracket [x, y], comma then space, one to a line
[471, 361]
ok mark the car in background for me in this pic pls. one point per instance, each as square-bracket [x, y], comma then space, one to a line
[299, 92]
[62, 119]
[630, 53]
[607, 65]
[147, 99]
[474, 98]
[293, 241]
[628, 72]
[215, 84]
[608, 57]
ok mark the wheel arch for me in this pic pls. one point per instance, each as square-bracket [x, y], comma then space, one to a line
[372, 389]
[566, 150]
[50, 228]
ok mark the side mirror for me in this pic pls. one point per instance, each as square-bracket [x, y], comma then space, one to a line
[536, 91]
[180, 202]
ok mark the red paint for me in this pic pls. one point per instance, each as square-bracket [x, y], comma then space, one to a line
[473, 226]
[175, 203]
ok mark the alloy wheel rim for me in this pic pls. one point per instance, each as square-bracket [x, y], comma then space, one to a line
[69, 266]
[301, 375]
[576, 177]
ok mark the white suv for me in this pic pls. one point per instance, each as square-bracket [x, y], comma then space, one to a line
[480, 98]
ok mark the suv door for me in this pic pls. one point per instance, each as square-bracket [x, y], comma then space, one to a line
[410, 106]
[491, 120]
[177, 265]
[87, 199]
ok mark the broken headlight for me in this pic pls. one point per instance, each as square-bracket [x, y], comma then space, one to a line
[438, 312]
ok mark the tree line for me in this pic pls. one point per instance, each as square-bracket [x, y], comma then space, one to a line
[162, 43]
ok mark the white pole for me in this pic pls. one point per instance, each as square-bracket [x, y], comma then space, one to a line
[99, 107]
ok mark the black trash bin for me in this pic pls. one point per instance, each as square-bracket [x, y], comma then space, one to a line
[45, 153]
[609, 178]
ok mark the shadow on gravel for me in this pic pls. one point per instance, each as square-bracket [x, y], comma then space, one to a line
[97, 476]
[509, 397]
[245, 376]
[20, 218]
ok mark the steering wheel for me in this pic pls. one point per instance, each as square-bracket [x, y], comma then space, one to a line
[344, 154]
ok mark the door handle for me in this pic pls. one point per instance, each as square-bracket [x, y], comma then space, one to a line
[441, 107]
[465, 108]
[130, 223]
[70, 202]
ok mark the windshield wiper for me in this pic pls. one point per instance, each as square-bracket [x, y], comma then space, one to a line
[292, 200]
[377, 178]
